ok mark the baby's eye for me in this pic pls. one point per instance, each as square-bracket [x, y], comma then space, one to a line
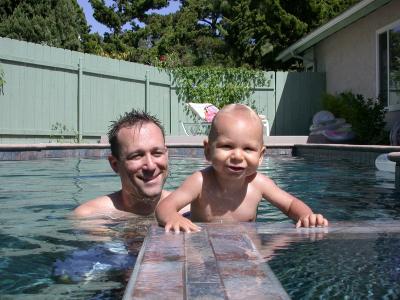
[248, 149]
[225, 147]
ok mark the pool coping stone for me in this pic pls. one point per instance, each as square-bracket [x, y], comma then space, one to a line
[226, 256]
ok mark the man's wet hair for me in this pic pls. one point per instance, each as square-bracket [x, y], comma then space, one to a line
[129, 119]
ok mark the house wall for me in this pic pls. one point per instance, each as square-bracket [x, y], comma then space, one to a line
[349, 56]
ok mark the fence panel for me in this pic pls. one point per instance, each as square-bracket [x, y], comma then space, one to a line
[298, 98]
[47, 86]
[35, 93]
[264, 98]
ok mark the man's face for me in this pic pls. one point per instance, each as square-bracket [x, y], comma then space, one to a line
[143, 161]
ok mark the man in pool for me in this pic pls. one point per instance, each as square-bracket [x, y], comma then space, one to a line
[231, 188]
[140, 158]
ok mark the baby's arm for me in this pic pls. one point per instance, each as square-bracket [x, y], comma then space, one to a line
[167, 209]
[294, 208]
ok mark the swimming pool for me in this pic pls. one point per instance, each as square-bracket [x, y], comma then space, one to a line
[40, 247]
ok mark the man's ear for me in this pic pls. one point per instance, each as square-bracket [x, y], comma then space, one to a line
[260, 160]
[113, 163]
[206, 149]
[166, 150]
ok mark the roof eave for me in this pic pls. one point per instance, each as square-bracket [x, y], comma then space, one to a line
[351, 15]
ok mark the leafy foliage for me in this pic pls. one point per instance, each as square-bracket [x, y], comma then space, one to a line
[60, 132]
[58, 23]
[365, 115]
[234, 33]
[217, 85]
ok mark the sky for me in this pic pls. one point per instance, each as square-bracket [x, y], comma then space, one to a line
[97, 27]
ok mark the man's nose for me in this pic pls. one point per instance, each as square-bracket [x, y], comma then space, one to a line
[149, 162]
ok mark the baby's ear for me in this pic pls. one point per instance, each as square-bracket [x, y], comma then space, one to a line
[206, 149]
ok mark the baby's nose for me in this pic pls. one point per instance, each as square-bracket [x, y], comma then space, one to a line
[237, 154]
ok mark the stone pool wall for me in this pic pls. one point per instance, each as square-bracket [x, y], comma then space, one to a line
[363, 154]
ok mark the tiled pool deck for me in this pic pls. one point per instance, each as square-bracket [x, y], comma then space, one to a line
[223, 261]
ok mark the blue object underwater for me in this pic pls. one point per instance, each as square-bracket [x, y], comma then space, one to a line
[93, 263]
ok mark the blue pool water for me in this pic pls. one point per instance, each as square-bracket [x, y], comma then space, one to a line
[44, 254]
[340, 266]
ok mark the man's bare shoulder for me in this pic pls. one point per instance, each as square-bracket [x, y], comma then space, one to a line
[98, 206]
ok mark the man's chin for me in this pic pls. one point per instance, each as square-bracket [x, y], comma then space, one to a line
[151, 194]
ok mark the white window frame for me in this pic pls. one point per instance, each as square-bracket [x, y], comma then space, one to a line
[378, 32]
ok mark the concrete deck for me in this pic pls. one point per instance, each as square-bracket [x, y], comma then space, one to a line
[274, 141]
[223, 261]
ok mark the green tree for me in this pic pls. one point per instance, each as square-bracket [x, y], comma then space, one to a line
[123, 12]
[58, 23]
[119, 42]
[232, 33]
[191, 34]
[236, 33]
[256, 31]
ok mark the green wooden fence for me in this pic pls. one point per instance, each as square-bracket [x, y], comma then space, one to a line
[55, 94]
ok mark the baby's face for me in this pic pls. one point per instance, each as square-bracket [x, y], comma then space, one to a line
[237, 148]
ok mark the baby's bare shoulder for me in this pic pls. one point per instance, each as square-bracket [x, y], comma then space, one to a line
[262, 179]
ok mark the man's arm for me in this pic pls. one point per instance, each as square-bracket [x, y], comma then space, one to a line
[293, 207]
[167, 209]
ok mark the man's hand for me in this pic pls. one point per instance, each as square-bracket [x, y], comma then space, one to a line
[312, 220]
[177, 222]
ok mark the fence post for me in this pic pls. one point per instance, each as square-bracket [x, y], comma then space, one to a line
[275, 107]
[79, 110]
[170, 103]
[147, 94]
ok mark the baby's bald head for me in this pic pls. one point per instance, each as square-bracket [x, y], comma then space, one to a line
[233, 114]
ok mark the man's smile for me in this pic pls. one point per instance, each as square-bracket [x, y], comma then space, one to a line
[149, 178]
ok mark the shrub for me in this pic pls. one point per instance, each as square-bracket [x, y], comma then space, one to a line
[365, 115]
[213, 84]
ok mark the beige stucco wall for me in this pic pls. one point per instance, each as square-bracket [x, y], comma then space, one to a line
[349, 56]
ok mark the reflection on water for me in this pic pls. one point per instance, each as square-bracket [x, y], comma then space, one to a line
[47, 254]
[339, 189]
[40, 246]
[351, 266]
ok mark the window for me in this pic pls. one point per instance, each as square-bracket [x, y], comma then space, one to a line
[389, 66]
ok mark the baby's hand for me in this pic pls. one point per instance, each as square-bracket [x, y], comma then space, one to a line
[177, 222]
[312, 220]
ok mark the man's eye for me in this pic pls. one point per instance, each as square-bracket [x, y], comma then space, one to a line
[158, 153]
[134, 157]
